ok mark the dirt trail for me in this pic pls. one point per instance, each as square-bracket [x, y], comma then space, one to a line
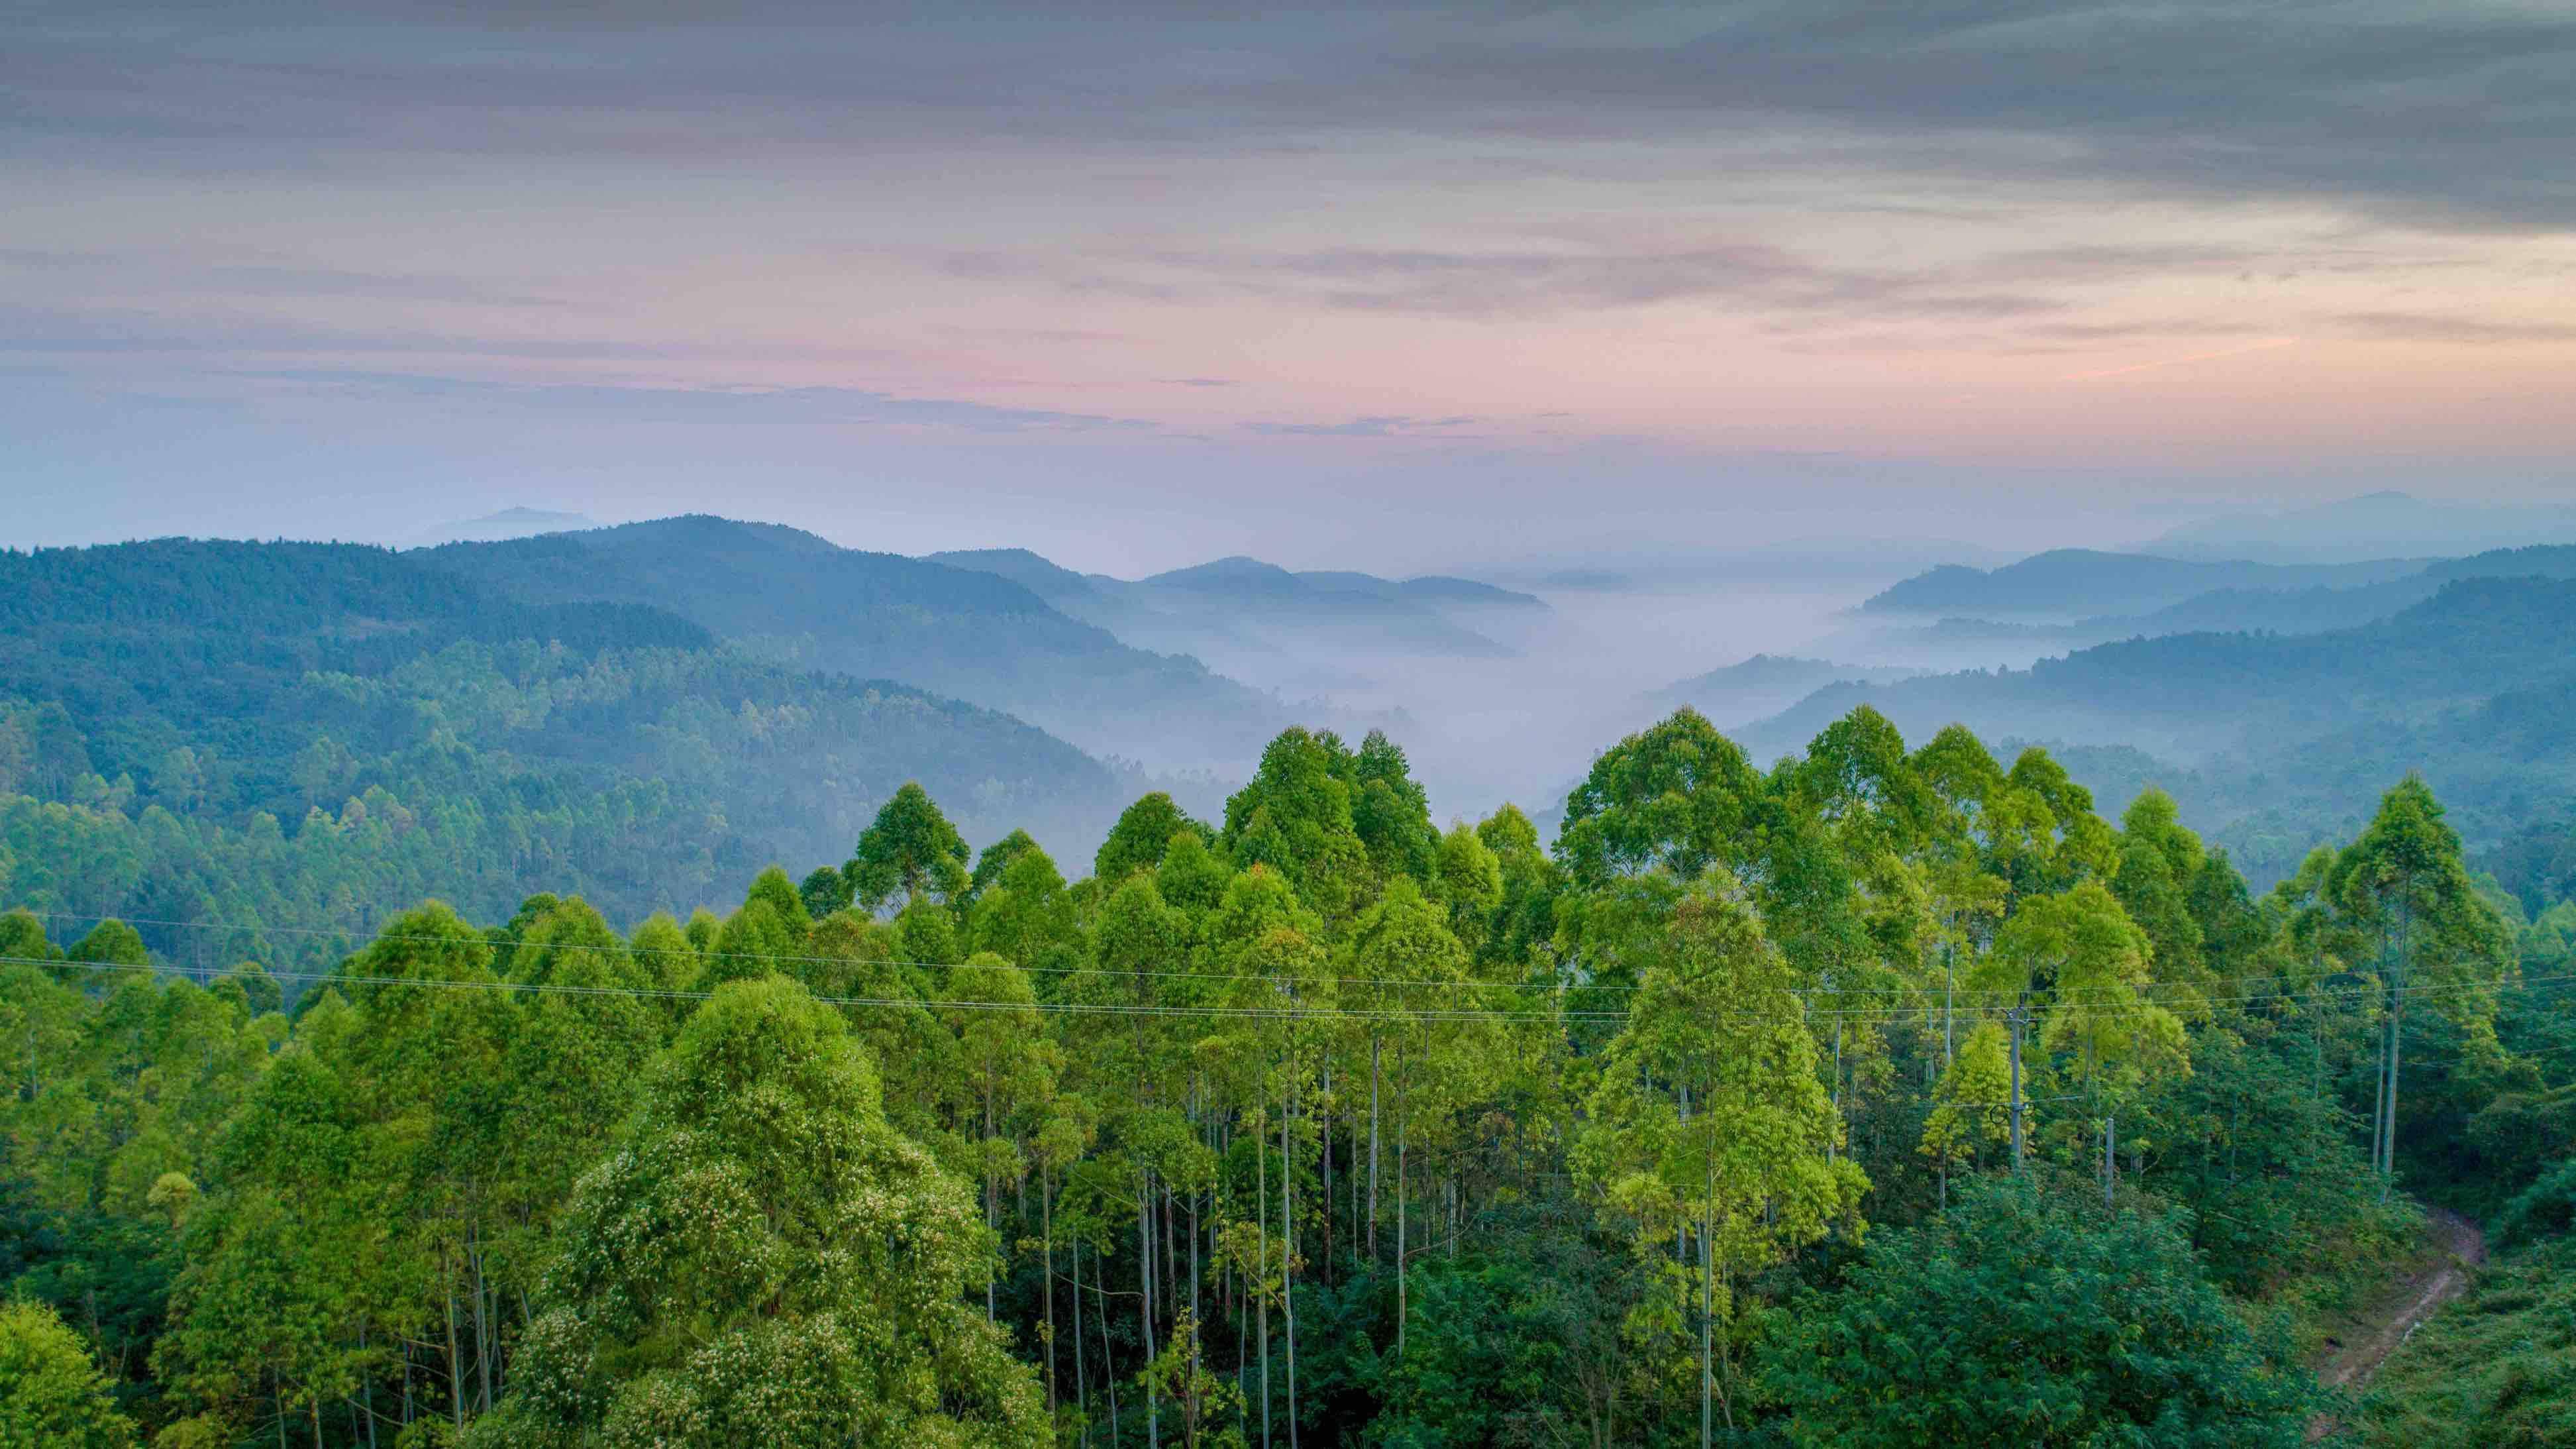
[2349, 1364]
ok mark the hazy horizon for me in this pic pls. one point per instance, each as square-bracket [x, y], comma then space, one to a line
[1392, 287]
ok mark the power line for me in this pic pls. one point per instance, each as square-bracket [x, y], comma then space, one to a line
[1917, 999]
[1071, 1008]
[1318, 1012]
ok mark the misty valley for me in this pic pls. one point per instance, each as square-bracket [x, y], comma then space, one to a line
[691, 982]
[1403, 725]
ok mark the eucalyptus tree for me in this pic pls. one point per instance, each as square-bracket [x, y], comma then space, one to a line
[1431, 1049]
[2160, 863]
[2403, 884]
[765, 1258]
[993, 1012]
[1022, 912]
[1144, 831]
[1294, 816]
[1971, 1106]
[909, 851]
[2078, 962]
[1710, 1137]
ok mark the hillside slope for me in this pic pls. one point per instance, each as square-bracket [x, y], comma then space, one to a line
[1320, 630]
[2281, 739]
[277, 732]
[970, 634]
[2074, 583]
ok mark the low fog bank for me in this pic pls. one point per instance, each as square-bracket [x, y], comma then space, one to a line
[1609, 657]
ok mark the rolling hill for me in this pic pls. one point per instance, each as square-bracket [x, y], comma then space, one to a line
[2282, 738]
[279, 732]
[970, 634]
[2075, 583]
[1283, 629]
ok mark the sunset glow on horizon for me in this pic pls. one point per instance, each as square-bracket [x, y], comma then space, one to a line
[2262, 251]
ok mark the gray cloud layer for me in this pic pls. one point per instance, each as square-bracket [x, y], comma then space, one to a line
[2433, 111]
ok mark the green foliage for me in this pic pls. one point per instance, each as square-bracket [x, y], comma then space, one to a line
[290, 735]
[1143, 832]
[1519, 1341]
[2495, 1368]
[765, 1258]
[2545, 1209]
[1296, 818]
[1502, 1144]
[1679, 797]
[2025, 1315]
[49, 1393]
[909, 850]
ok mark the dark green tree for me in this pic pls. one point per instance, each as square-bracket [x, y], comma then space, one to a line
[2028, 1314]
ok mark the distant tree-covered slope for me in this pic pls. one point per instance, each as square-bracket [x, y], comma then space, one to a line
[2374, 525]
[1303, 634]
[967, 633]
[2287, 611]
[2278, 738]
[1767, 682]
[1240, 603]
[289, 732]
[2073, 583]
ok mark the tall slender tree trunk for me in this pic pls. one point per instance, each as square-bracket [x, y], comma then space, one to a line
[2018, 1016]
[368, 1388]
[482, 1324]
[1403, 1304]
[2396, 1047]
[2317, 1070]
[1374, 1046]
[1708, 1322]
[1324, 1152]
[1197, 1344]
[2379, 1096]
[1288, 1253]
[1261, 1288]
[992, 1205]
[2110, 1141]
[1081, 1375]
[1949, 979]
[455, 1363]
[1108, 1365]
[1145, 1298]
[1046, 1249]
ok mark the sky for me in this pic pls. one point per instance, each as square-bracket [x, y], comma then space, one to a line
[1383, 285]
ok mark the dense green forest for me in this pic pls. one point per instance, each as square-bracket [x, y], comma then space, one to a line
[282, 737]
[1890, 1095]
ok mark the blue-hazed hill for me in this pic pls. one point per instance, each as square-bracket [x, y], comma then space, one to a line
[279, 732]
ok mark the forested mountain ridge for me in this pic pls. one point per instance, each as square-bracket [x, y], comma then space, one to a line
[2310, 610]
[1766, 683]
[1347, 1124]
[790, 595]
[1259, 620]
[277, 734]
[2278, 736]
[2078, 582]
[2374, 525]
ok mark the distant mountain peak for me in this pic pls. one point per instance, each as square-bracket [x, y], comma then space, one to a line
[513, 522]
[1234, 571]
[2385, 523]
